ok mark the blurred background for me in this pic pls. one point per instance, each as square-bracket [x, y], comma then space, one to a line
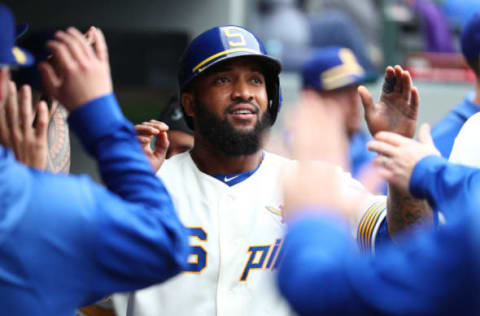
[147, 37]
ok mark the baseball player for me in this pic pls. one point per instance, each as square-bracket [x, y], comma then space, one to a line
[227, 190]
[61, 234]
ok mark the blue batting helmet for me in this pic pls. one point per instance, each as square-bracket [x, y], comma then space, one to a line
[222, 43]
[332, 68]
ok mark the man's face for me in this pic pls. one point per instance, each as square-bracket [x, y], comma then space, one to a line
[349, 100]
[230, 106]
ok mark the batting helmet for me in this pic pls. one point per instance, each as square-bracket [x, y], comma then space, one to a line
[223, 43]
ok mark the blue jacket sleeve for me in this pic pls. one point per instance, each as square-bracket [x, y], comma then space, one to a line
[322, 274]
[68, 238]
[140, 236]
[448, 187]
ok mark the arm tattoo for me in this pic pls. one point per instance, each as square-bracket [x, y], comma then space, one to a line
[406, 214]
[58, 138]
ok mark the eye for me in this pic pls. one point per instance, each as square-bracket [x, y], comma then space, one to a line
[221, 80]
[257, 80]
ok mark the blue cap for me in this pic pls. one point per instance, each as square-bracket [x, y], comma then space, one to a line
[9, 53]
[332, 68]
[470, 38]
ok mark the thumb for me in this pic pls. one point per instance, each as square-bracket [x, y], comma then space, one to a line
[366, 98]
[424, 135]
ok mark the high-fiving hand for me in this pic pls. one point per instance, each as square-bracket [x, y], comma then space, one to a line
[396, 110]
[82, 71]
[398, 155]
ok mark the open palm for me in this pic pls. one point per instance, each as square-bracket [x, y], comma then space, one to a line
[396, 110]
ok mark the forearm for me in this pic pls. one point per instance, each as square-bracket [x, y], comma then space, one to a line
[111, 139]
[448, 187]
[143, 228]
[406, 214]
[58, 137]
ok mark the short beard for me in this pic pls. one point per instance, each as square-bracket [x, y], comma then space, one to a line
[223, 136]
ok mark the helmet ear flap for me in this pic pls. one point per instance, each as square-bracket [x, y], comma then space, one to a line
[274, 97]
[188, 118]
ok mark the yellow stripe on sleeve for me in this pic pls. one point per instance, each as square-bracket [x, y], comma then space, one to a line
[367, 225]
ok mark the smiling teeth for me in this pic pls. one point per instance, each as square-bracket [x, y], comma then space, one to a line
[242, 112]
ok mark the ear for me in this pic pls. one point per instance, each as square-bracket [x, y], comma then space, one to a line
[187, 100]
[4, 81]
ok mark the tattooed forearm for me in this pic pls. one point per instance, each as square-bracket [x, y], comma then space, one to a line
[58, 159]
[405, 213]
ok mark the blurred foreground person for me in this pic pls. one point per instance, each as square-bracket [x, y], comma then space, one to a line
[335, 74]
[432, 273]
[61, 234]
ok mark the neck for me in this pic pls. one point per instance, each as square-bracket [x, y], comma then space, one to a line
[211, 161]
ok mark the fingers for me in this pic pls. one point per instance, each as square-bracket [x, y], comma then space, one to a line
[100, 45]
[366, 98]
[25, 104]
[393, 139]
[144, 140]
[63, 57]
[415, 100]
[384, 173]
[82, 41]
[161, 145]
[406, 85]
[151, 128]
[13, 118]
[90, 35]
[42, 121]
[381, 148]
[389, 80]
[76, 44]
[4, 132]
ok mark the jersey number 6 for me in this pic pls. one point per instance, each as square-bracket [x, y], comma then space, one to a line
[197, 259]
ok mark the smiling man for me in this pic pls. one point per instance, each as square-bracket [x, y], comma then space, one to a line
[227, 189]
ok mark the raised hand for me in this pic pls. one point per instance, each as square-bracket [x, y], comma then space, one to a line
[320, 146]
[146, 131]
[17, 132]
[396, 110]
[82, 72]
[398, 155]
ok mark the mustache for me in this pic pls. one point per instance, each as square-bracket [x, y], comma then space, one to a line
[241, 101]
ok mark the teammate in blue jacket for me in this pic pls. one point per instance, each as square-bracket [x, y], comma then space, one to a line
[61, 234]
[435, 273]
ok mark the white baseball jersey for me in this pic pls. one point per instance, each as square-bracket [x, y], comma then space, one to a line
[465, 149]
[236, 237]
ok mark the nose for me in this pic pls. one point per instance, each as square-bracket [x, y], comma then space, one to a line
[241, 90]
